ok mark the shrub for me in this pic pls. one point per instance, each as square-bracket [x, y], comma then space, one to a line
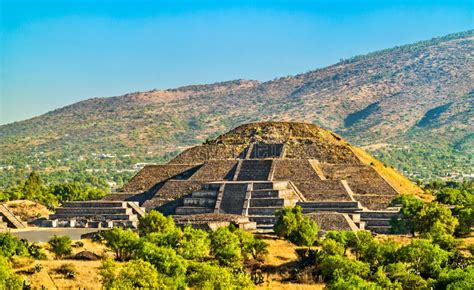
[154, 222]
[207, 276]
[225, 246]
[8, 278]
[67, 270]
[165, 260]
[194, 244]
[135, 274]
[340, 267]
[11, 245]
[60, 246]
[36, 251]
[78, 244]
[331, 247]
[293, 226]
[424, 258]
[122, 242]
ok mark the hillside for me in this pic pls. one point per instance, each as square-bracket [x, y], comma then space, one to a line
[411, 106]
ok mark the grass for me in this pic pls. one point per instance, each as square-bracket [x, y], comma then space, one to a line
[393, 177]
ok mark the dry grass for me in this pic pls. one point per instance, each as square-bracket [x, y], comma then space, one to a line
[393, 177]
[27, 210]
[87, 271]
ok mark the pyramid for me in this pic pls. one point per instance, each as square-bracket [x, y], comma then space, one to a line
[246, 175]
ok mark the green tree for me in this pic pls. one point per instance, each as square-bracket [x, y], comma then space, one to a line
[466, 220]
[60, 246]
[331, 247]
[293, 226]
[123, 242]
[11, 245]
[408, 220]
[432, 214]
[225, 246]
[399, 274]
[340, 267]
[455, 279]
[208, 276]
[33, 186]
[425, 258]
[155, 221]
[165, 260]
[135, 274]
[194, 244]
[8, 278]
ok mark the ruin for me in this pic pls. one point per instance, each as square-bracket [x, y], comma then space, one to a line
[244, 176]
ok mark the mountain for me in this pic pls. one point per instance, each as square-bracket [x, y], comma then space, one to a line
[411, 106]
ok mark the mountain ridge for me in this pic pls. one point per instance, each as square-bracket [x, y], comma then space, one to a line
[398, 85]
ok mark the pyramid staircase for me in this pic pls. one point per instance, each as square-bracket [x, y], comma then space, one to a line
[95, 214]
[8, 218]
[378, 221]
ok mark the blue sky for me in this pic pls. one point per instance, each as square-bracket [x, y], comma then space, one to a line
[55, 53]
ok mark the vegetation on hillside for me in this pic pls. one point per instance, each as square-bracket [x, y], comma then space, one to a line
[415, 98]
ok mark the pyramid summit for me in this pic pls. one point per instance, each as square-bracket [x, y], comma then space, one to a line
[246, 175]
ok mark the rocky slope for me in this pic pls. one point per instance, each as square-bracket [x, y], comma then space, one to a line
[413, 105]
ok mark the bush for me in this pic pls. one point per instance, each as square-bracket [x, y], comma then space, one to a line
[67, 270]
[122, 242]
[60, 246]
[11, 245]
[8, 278]
[424, 258]
[155, 222]
[194, 244]
[331, 247]
[135, 274]
[36, 251]
[296, 228]
[165, 260]
[207, 276]
[225, 246]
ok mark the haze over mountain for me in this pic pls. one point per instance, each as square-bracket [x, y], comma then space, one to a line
[411, 105]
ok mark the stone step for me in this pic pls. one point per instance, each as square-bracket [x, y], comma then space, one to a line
[93, 210]
[211, 186]
[187, 210]
[263, 210]
[329, 204]
[270, 185]
[263, 219]
[340, 210]
[94, 217]
[205, 202]
[377, 214]
[377, 222]
[265, 193]
[95, 203]
[264, 202]
[204, 194]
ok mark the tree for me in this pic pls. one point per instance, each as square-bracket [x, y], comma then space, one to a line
[331, 247]
[135, 274]
[398, 273]
[432, 214]
[287, 221]
[425, 258]
[194, 244]
[8, 278]
[33, 186]
[165, 260]
[454, 196]
[306, 233]
[60, 246]
[379, 253]
[122, 242]
[11, 245]
[251, 246]
[340, 267]
[455, 279]
[293, 226]
[408, 220]
[225, 246]
[466, 220]
[359, 241]
[207, 276]
[154, 221]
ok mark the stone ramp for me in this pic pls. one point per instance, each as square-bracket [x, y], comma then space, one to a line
[253, 170]
[95, 214]
[233, 198]
[10, 219]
